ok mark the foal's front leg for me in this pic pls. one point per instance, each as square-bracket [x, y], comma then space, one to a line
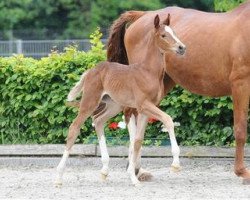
[135, 152]
[151, 110]
[142, 174]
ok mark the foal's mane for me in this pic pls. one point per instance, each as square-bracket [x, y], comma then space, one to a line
[116, 51]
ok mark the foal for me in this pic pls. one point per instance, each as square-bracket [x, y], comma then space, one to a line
[137, 86]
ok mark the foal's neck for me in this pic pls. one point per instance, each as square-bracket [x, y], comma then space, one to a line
[154, 60]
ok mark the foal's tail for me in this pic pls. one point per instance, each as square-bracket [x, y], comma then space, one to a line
[77, 88]
[116, 51]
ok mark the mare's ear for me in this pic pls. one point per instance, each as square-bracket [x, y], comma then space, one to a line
[167, 21]
[157, 21]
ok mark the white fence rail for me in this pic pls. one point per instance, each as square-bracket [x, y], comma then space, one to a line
[39, 48]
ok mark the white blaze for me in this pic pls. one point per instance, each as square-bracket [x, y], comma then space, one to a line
[171, 32]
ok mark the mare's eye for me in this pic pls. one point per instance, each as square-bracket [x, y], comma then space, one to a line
[163, 36]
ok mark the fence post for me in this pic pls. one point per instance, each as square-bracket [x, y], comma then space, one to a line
[19, 46]
[10, 42]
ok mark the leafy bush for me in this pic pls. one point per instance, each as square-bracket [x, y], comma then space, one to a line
[225, 5]
[202, 120]
[33, 94]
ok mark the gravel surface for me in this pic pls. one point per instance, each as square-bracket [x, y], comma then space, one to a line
[32, 178]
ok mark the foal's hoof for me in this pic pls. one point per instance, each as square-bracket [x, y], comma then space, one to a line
[137, 184]
[175, 168]
[104, 177]
[58, 183]
[246, 181]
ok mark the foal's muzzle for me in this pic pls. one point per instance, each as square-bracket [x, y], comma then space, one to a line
[181, 49]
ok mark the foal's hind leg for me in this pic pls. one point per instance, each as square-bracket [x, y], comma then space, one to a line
[88, 103]
[110, 110]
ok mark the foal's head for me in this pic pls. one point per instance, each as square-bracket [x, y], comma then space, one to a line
[166, 38]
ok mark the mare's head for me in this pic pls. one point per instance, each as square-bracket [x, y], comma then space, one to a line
[166, 38]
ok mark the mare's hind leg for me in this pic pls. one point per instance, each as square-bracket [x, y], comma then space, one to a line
[88, 104]
[110, 110]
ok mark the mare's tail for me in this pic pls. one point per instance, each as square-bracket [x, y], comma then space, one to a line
[76, 89]
[116, 51]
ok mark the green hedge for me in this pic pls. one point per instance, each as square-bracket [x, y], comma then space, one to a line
[33, 94]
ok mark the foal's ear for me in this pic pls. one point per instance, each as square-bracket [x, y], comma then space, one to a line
[167, 21]
[157, 21]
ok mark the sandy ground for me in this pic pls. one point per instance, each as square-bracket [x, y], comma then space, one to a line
[32, 178]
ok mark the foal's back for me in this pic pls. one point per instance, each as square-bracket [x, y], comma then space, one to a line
[127, 85]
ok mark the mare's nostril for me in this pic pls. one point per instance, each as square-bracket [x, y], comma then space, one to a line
[181, 47]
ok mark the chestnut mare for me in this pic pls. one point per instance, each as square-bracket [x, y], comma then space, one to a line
[139, 86]
[217, 62]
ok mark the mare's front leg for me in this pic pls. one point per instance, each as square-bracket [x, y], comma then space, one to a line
[135, 147]
[241, 93]
[151, 110]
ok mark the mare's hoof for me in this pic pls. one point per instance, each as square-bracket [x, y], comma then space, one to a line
[145, 176]
[246, 181]
[175, 168]
[104, 176]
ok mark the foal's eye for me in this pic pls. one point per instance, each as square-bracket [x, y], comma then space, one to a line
[163, 36]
